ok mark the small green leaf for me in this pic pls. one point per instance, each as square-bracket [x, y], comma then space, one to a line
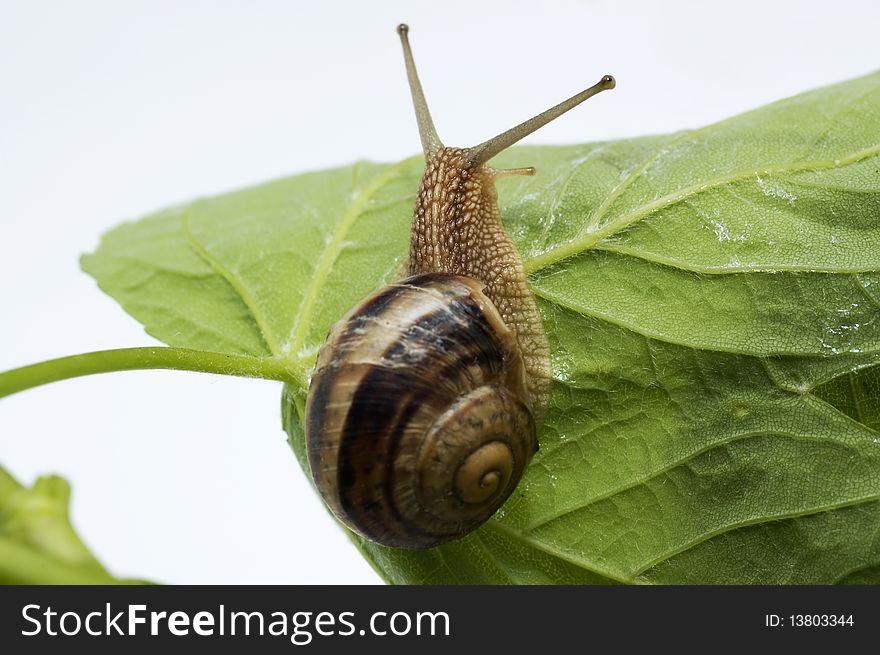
[38, 544]
[712, 299]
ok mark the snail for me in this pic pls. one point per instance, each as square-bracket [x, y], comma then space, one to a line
[424, 405]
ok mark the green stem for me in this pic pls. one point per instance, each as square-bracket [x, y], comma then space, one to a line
[130, 359]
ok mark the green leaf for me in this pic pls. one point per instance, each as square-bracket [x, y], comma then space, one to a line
[38, 544]
[712, 299]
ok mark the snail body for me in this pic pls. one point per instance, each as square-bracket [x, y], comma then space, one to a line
[423, 409]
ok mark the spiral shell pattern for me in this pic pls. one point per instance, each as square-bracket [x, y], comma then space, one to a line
[417, 426]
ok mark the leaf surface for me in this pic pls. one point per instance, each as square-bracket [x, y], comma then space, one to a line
[712, 299]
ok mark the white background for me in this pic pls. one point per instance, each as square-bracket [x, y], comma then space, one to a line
[110, 110]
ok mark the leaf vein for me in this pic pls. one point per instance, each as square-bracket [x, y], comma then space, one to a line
[666, 468]
[592, 567]
[756, 521]
[495, 563]
[233, 282]
[329, 256]
[868, 565]
[623, 221]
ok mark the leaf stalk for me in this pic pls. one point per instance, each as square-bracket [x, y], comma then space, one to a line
[131, 359]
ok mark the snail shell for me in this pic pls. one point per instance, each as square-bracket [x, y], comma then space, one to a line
[417, 418]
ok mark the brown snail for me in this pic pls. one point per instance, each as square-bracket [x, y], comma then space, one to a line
[425, 401]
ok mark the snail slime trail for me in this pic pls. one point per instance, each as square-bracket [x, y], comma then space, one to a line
[424, 406]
